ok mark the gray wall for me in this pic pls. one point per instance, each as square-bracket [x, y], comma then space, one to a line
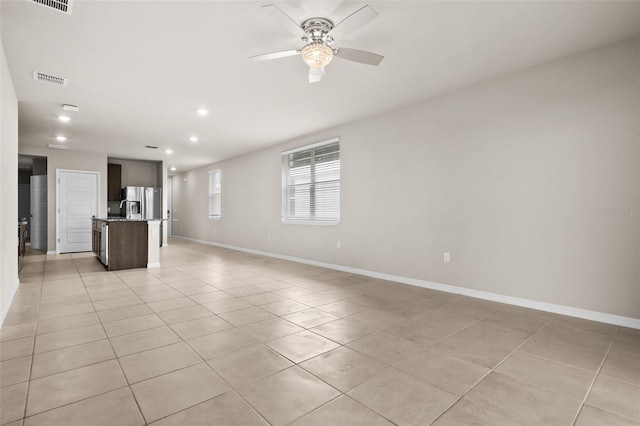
[513, 177]
[139, 173]
[69, 160]
[9, 188]
[39, 166]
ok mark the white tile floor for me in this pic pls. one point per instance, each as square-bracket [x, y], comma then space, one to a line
[223, 337]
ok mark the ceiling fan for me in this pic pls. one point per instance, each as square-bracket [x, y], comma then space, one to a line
[319, 34]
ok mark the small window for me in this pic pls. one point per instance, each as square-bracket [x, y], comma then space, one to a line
[311, 184]
[214, 194]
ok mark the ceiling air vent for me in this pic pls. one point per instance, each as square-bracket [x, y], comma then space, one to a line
[63, 6]
[55, 146]
[48, 78]
[151, 147]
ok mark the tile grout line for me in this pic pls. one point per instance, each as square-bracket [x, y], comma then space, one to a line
[295, 364]
[516, 348]
[142, 302]
[33, 348]
[260, 343]
[595, 377]
[492, 370]
[341, 393]
[42, 289]
[390, 367]
[128, 385]
[33, 354]
[93, 396]
[232, 389]
[534, 355]
[632, 421]
[83, 399]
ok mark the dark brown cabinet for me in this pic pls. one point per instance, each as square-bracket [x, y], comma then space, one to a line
[128, 245]
[96, 236]
[114, 181]
[121, 244]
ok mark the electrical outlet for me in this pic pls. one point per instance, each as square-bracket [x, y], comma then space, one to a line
[447, 257]
[338, 244]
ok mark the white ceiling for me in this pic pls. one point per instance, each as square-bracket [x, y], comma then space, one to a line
[139, 70]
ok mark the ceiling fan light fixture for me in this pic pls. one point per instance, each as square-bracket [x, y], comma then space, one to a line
[316, 73]
[317, 55]
[318, 35]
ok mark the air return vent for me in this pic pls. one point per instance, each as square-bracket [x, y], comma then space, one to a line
[48, 78]
[151, 147]
[56, 146]
[63, 6]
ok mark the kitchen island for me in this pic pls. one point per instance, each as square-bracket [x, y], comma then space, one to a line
[121, 243]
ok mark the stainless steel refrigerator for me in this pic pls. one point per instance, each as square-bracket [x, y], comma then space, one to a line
[152, 204]
[141, 203]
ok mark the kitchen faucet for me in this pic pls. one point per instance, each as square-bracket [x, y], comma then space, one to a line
[122, 202]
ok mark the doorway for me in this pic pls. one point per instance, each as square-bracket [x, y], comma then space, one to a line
[32, 199]
[77, 203]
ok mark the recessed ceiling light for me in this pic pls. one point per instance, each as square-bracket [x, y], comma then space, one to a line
[169, 151]
[193, 139]
[61, 138]
[203, 111]
[173, 169]
[64, 118]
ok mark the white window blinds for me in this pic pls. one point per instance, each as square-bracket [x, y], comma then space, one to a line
[311, 183]
[214, 194]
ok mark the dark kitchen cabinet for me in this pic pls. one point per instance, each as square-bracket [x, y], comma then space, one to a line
[121, 244]
[96, 236]
[128, 245]
[114, 179]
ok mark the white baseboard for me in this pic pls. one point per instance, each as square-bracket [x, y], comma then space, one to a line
[153, 265]
[3, 314]
[52, 252]
[478, 294]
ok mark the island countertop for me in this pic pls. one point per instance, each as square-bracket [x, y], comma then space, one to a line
[119, 219]
[124, 219]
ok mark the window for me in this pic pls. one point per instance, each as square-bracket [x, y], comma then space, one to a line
[214, 194]
[311, 184]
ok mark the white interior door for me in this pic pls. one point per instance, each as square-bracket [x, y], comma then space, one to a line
[77, 203]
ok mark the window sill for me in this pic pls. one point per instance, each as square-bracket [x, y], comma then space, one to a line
[310, 222]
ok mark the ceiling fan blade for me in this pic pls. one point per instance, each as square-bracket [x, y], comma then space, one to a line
[360, 56]
[353, 22]
[292, 26]
[274, 55]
